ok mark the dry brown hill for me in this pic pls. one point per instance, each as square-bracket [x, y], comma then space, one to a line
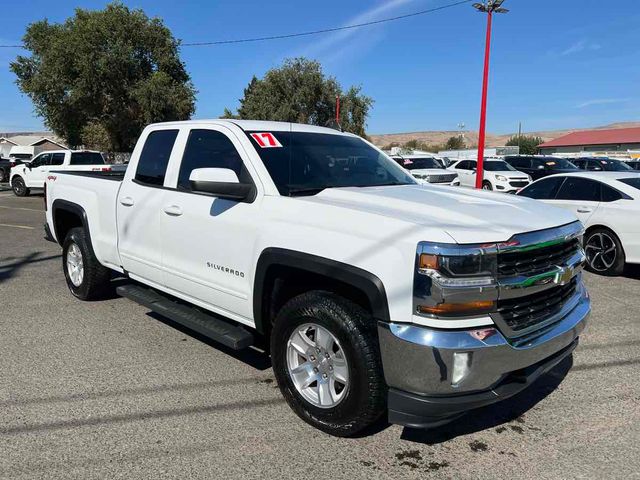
[471, 137]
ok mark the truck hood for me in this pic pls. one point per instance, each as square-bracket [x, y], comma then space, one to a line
[468, 216]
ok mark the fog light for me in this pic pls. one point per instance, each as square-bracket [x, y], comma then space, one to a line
[461, 367]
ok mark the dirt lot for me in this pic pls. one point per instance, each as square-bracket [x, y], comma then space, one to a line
[107, 390]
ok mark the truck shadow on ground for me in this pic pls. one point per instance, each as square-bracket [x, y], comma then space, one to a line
[496, 415]
[254, 357]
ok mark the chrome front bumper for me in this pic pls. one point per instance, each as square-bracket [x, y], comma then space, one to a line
[419, 362]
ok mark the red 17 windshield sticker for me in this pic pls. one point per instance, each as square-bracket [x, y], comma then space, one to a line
[266, 140]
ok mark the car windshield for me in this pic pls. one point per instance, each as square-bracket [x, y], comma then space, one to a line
[86, 158]
[633, 182]
[497, 166]
[613, 165]
[420, 163]
[559, 163]
[303, 163]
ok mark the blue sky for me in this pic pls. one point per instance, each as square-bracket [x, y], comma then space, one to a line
[577, 65]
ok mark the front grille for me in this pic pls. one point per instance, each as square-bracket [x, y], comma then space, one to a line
[519, 183]
[536, 260]
[445, 178]
[521, 313]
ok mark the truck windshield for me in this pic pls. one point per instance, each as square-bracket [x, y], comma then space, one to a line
[613, 165]
[86, 158]
[302, 163]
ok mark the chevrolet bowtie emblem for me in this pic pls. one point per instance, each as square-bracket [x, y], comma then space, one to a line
[564, 275]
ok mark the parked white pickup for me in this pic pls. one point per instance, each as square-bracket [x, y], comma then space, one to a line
[371, 292]
[30, 175]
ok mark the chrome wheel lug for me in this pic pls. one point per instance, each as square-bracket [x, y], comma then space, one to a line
[313, 358]
[324, 375]
[315, 369]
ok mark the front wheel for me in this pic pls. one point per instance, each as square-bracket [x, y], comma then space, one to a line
[327, 363]
[486, 185]
[86, 278]
[19, 187]
[604, 252]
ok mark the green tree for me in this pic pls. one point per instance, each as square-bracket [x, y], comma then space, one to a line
[101, 76]
[298, 91]
[528, 144]
[455, 143]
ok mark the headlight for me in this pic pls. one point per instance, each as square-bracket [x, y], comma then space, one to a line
[454, 281]
[501, 178]
[463, 270]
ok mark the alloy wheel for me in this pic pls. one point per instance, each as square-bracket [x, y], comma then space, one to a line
[317, 365]
[601, 251]
[75, 265]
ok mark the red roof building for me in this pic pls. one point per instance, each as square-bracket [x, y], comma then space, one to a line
[615, 139]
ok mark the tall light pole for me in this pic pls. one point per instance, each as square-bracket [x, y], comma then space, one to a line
[488, 7]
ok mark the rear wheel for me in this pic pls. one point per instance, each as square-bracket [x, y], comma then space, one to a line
[326, 360]
[19, 187]
[86, 278]
[604, 252]
[487, 185]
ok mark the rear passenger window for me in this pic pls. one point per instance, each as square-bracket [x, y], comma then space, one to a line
[210, 149]
[610, 194]
[543, 189]
[580, 189]
[57, 159]
[154, 158]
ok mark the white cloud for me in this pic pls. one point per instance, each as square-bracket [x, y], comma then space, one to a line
[580, 46]
[602, 101]
[339, 43]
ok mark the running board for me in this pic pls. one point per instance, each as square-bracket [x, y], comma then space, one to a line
[213, 327]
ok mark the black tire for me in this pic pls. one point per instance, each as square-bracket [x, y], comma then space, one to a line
[19, 187]
[3, 175]
[96, 278]
[486, 185]
[601, 240]
[355, 330]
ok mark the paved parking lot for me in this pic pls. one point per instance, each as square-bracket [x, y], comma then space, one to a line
[107, 390]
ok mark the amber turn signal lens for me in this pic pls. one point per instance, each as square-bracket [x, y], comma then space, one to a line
[428, 261]
[458, 308]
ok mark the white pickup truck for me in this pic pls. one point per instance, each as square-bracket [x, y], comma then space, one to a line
[26, 176]
[373, 294]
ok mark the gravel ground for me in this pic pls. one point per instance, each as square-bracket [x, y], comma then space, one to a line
[108, 390]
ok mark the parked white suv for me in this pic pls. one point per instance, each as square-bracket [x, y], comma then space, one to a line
[373, 294]
[427, 169]
[33, 174]
[498, 175]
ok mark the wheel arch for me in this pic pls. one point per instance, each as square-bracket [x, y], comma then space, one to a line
[279, 271]
[67, 215]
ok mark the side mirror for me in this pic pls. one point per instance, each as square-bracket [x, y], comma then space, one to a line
[221, 183]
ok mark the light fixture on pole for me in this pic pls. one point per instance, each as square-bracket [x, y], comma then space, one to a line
[489, 7]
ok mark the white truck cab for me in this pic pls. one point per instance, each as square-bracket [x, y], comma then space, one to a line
[26, 176]
[372, 293]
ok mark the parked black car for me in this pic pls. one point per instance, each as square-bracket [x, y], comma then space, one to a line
[601, 164]
[538, 167]
[635, 164]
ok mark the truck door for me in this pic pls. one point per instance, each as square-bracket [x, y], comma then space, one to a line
[37, 171]
[139, 208]
[208, 241]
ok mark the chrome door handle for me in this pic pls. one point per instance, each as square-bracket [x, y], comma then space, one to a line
[585, 210]
[126, 201]
[173, 210]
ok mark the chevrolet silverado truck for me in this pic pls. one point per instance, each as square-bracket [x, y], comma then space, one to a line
[26, 176]
[372, 294]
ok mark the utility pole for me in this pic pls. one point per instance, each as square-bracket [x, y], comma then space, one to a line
[488, 7]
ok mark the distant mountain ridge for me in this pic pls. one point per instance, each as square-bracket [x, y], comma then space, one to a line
[471, 137]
